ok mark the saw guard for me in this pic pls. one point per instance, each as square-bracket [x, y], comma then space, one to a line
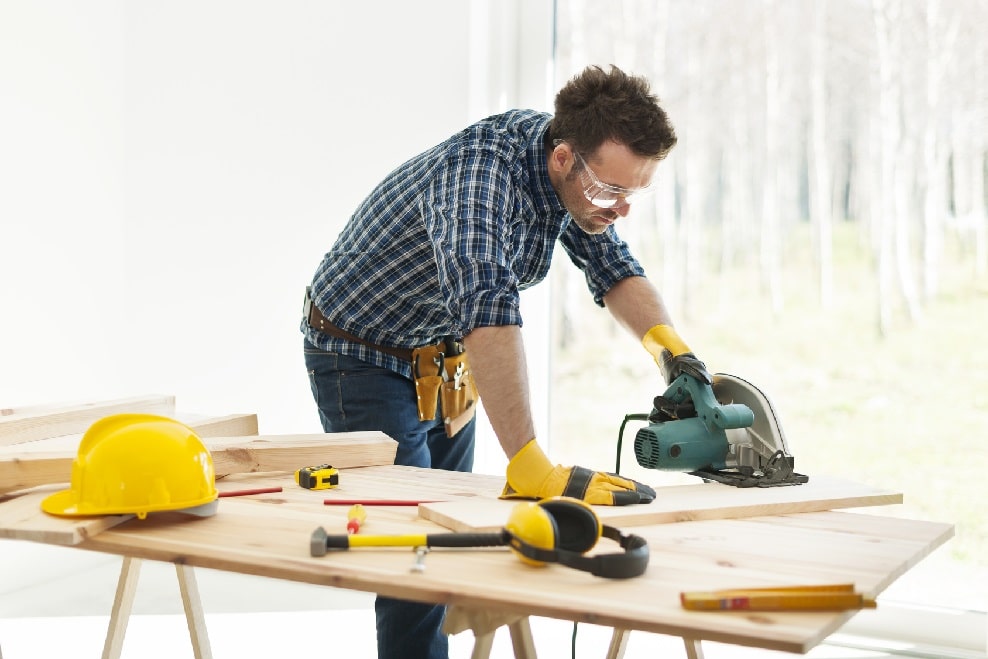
[764, 436]
[760, 451]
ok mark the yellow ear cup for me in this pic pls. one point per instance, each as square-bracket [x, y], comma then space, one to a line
[576, 524]
[533, 525]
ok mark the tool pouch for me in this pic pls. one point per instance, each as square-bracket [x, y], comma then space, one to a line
[427, 369]
[458, 394]
[445, 382]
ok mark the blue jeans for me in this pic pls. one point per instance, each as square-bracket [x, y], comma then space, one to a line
[353, 395]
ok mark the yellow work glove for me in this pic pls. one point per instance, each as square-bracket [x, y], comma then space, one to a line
[530, 475]
[672, 355]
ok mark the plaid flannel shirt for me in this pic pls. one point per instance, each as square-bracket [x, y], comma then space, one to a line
[447, 240]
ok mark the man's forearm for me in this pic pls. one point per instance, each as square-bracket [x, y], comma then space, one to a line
[637, 305]
[497, 359]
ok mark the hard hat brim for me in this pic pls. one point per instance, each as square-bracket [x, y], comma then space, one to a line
[61, 503]
[65, 504]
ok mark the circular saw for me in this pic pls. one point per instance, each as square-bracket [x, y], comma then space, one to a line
[726, 431]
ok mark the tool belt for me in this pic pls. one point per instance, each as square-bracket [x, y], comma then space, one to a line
[441, 373]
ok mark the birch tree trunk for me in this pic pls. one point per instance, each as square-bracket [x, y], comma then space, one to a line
[979, 152]
[770, 247]
[821, 196]
[888, 125]
[934, 175]
[694, 150]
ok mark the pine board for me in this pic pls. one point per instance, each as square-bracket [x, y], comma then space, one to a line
[21, 516]
[46, 461]
[269, 536]
[25, 424]
[681, 503]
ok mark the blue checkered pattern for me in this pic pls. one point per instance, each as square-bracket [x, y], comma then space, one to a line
[446, 241]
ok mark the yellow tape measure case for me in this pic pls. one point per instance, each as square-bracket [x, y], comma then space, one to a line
[322, 477]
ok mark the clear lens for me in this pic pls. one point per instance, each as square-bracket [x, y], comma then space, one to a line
[609, 199]
[601, 194]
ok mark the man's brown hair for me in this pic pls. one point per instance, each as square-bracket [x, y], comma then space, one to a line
[596, 106]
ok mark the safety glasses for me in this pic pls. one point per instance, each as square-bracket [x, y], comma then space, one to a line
[605, 195]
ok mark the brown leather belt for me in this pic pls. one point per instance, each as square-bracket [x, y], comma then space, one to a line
[319, 322]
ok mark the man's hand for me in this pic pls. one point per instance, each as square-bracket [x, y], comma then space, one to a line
[530, 475]
[672, 355]
[673, 367]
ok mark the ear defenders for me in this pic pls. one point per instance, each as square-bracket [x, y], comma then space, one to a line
[554, 530]
[562, 529]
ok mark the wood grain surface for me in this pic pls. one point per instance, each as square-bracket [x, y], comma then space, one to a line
[41, 462]
[681, 503]
[21, 516]
[45, 461]
[26, 424]
[270, 535]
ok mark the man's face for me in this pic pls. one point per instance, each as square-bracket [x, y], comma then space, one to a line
[598, 189]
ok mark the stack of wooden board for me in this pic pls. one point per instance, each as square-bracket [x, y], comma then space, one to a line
[38, 445]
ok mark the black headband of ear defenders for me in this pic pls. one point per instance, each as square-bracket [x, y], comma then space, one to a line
[631, 563]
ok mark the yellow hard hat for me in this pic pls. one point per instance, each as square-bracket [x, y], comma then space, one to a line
[137, 464]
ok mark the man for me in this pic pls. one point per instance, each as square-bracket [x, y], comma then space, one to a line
[432, 262]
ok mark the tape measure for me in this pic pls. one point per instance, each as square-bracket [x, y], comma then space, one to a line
[322, 477]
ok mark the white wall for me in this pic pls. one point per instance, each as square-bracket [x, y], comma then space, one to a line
[171, 173]
[61, 200]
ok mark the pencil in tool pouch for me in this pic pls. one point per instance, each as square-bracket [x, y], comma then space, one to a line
[828, 597]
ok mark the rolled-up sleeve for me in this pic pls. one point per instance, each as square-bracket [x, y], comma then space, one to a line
[604, 258]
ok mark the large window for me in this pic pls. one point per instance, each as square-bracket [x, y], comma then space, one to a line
[819, 229]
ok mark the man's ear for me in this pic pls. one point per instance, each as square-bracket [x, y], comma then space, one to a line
[560, 156]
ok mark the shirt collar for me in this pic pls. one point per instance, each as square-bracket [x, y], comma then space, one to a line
[543, 194]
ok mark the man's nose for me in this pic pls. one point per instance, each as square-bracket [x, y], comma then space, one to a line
[622, 207]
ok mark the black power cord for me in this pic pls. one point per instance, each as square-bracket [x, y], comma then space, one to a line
[620, 441]
[617, 470]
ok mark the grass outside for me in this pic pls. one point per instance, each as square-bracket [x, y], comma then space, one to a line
[908, 412]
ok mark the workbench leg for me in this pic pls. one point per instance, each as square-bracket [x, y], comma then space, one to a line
[123, 602]
[693, 649]
[521, 639]
[194, 616]
[619, 641]
[482, 646]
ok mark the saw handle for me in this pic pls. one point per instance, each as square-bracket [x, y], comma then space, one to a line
[687, 388]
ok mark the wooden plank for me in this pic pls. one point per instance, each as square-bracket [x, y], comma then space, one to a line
[18, 425]
[681, 503]
[269, 536]
[232, 425]
[21, 516]
[344, 450]
[31, 465]
[219, 426]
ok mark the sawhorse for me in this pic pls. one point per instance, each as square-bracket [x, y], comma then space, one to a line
[484, 624]
[123, 603]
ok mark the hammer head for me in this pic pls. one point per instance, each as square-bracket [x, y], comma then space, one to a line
[317, 544]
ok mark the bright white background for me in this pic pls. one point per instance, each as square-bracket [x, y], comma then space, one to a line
[172, 172]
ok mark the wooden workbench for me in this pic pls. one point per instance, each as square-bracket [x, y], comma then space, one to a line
[268, 535]
[701, 537]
